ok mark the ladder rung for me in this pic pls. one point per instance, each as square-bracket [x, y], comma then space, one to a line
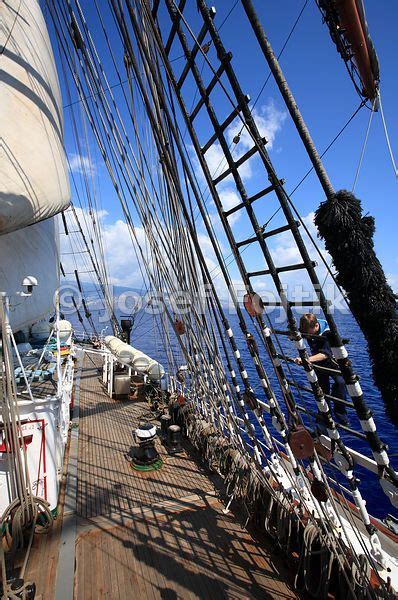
[288, 333]
[222, 127]
[238, 163]
[201, 36]
[80, 272]
[329, 396]
[314, 365]
[305, 303]
[267, 190]
[281, 269]
[266, 234]
[211, 85]
[174, 26]
[292, 303]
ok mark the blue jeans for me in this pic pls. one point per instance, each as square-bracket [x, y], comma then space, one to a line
[338, 387]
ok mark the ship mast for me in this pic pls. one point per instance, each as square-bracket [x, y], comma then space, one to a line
[288, 97]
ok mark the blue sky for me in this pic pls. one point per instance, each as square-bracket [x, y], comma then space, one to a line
[326, 98]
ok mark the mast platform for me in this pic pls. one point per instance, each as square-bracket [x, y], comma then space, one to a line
[161, 534]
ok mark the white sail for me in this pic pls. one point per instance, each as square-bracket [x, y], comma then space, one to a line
[32, 251]
[33, 173]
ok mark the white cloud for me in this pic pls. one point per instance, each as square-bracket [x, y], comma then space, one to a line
[208, 251]
[269, 120]
[79, 163]
[229, 198]
[121, 261]
[284, 252]
[215, 160]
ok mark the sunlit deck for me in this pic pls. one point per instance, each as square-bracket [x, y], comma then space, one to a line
[161, 534]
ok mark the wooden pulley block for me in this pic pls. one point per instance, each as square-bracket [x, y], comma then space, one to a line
[253, 304]
[323, 451]
[319, 490]
[301, 442]
[179, 327]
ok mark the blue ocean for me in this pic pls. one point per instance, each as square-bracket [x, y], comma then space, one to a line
[148, 337]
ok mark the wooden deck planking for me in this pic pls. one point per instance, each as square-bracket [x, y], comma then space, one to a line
[107, 484]
[157, 535]
[160, 534]
[189, 554]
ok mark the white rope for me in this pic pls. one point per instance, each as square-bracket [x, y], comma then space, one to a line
[386, 134]
[364, 145]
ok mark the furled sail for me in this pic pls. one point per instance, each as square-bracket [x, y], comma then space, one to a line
[128, 355]
[33, 173]
[33, 252]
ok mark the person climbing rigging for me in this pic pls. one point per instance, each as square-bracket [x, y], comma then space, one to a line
[322, 356]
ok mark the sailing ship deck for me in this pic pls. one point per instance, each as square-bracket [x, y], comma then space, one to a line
[156, 535]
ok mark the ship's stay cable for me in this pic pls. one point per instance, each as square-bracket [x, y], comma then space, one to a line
[364, 145]
[336, 137]
[390, 151]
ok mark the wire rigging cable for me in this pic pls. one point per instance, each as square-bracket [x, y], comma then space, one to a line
[364, 145]
[390, 151]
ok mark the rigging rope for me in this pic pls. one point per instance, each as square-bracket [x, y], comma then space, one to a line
[364, 144]
[390, 151]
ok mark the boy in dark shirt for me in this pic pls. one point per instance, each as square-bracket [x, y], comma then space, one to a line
[322, 356]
